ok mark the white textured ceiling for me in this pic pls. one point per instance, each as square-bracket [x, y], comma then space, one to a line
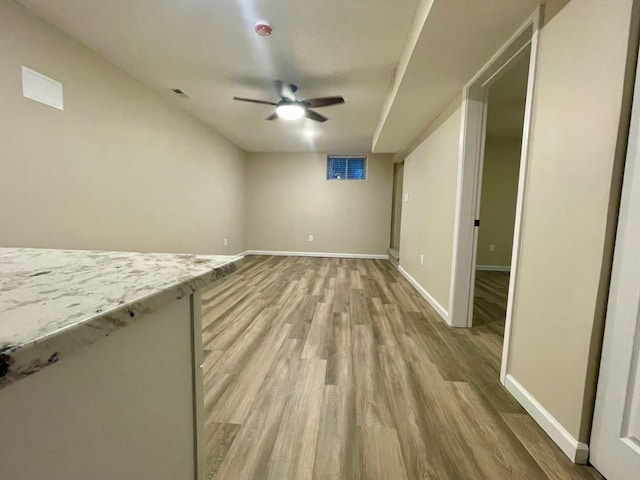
[208, 49]
[327, 47]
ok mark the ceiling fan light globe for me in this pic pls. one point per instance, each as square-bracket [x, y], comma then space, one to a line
[290, 111]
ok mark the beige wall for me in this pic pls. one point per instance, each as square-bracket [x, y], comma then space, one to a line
[118, 169]
[430, 179]
[498, 202]
[289, 198]
[559, 297]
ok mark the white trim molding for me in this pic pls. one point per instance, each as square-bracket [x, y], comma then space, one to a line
[279, 253]
[577, 452]
[426, 295]
[494, 268]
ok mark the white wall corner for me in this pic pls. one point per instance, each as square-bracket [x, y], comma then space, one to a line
[577, 452]
[280, 253]
[426, 295]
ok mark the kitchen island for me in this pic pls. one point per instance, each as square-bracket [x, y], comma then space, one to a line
[100, 357]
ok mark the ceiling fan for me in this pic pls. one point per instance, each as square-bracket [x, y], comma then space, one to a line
[291, 108]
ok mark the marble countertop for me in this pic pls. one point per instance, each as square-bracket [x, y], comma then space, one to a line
[54, 301]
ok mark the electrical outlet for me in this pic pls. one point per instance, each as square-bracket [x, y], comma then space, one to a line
[311, 238]
[492, 247]
[421, 259]
[406, 197]
[225, 241]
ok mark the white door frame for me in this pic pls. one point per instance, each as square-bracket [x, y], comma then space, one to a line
[472, 138]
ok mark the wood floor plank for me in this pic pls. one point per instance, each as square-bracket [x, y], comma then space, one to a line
[341, 292]
[228, 328]
[316, 342]
[490, 297]
[422, 459]
[404, 298]
[329, 291]
[337, 450]
[302, 317]
[495, 448]
[215, 383]
[383, 330]
[217, 307]
[381, 457]
[237, 400]
[371, 403]
[441, 422]
[218, 442]
[291, 306]
[235, 358]
[248, 457]
[355, 281]
[293, 453]
[339, 351]
[358, 308]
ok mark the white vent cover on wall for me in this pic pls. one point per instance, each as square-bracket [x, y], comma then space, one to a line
[41, 88]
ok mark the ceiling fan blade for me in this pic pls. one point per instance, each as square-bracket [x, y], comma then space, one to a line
[273, 116]
[323, 101]
[315, 116]
[251, 100]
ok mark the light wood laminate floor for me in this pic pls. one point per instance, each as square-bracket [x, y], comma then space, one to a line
[490, 297]
[336, 369]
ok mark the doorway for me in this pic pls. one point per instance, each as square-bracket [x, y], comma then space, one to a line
[523, 44]
[396, 213]
[497, 195]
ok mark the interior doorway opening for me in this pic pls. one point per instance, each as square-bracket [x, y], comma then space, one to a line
[396, 213]
[523, 45]
[497, 194]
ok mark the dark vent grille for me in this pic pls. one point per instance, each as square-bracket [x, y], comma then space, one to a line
[177, 91]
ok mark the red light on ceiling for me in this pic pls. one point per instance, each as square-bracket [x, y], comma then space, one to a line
[264, 29]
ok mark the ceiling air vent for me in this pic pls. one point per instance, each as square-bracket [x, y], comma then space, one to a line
[177, 91]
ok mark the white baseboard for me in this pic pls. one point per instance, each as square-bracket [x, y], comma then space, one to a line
[316, 254]
[426, 295]
[243, 254]
[494, 268]
[577, 452]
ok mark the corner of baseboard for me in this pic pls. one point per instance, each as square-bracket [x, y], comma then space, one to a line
[426, 295]
[578, 452]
